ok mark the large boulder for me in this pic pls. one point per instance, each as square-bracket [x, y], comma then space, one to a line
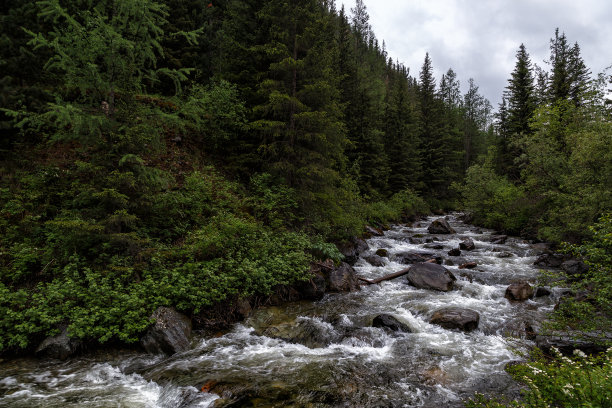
[457, 318]
[342, 279]
[550, 260]
[499, 239]
[416, 257]
[519, 291]
[374, 260]
[431, 276]
[313, 289]
[375, 232]
[567, 342]
[575, 269]
[467, 244]
[389, 322]
[382, 252]
[169, 333]
[60, 346]
[351, 249]
[454, 252]
[440, 226]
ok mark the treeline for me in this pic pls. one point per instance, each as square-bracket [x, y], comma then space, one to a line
[549, 174]
[188, 152]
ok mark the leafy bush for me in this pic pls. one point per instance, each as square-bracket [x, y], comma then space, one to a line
[493, 200]
[589, 315]
[578, 381]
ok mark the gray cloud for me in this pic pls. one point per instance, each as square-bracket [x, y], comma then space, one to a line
[479, 38]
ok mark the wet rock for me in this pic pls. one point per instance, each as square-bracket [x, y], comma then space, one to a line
[415, 241]
[313, 289]
[375, 232]
[550, 260]
[169, 334]
[467, 276]
[448, 262]
[60, 346]
[468, 265]
[434, 246]
[567, 342]
[375, 260]
[458, 318]
[505, 254]
[454, 252]
[440, 226]
[477, 231]
[351, 249]
[413, 257]
[541, 246]
[575, 269]
[391, 323]
[467, 244]
[541, 292]
[382, 252]
[307, 332]
[499, 239]
[342, 279]
[431, 276]
[519, 291]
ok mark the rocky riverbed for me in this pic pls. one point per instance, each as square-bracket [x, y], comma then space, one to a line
[399, 343]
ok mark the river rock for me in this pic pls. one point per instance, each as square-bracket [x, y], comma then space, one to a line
[454, 252]
[567, 342]
[313, 289]
[519, 291]
[375, 232]
[169, 334]
[413, 257]
[342, 279]
[467, 244]
[550, 260]
[60, 346]
[352, 248]
[575, 269]
[505, 254]
[499, 239]
[375, 260]
[468, 265]
[456, 318]
[390, 322]
[382, 252]
[440, 226]
[415, 241]
[431, 276]
[541, 292]
[434, 246]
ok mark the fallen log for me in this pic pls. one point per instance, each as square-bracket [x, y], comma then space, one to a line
[385, 278]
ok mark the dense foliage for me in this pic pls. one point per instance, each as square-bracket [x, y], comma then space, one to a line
[549, 172]
[578, 381]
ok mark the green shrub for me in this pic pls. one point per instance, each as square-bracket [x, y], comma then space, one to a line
[578, 381]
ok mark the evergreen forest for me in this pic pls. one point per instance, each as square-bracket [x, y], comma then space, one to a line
[187, 153]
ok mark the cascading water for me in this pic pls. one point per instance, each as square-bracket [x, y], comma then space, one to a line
[326, 353]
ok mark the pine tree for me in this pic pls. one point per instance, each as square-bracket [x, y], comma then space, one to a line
[302, 137]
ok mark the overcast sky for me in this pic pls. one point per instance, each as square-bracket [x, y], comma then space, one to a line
[479, 38]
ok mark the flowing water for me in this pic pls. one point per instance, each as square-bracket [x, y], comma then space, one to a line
[325, 353]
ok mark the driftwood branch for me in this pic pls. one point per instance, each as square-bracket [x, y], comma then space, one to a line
[386, 277]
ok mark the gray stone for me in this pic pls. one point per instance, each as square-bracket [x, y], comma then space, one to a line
[467, 244]
[342, 279]
[431, 276]
[60, 346]
[519, 291]
[456, 318]
[440, 226]
[387, 321]
[375, 260]
[169, 333]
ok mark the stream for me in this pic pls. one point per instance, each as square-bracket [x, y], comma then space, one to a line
[325, 353]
